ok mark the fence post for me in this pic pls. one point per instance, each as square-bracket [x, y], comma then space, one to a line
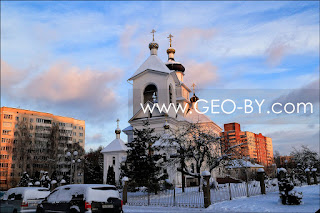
[174, 194]
[314, 174]
[307, 170]
[125, 190]
[206, 188]
[261, 179]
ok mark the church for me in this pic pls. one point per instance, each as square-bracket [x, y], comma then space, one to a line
[158, 82]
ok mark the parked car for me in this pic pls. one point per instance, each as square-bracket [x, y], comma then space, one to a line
[22, 199]
[88, 198]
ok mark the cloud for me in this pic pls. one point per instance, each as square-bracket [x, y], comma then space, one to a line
[200, 73]
[126, 38]
[276, 52]
[96, 138]
[307, 93]
[86, 93]
[191, 40]
[11, 76]
[285, 140]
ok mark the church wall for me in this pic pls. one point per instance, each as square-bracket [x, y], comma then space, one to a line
[108, 161]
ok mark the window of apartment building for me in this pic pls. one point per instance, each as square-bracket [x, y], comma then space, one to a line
[74, 133]
[80, 140]
[17, 118]
[5, 116]
[81, 127]
[6, 132]
[31, 120]
[4, 165]
[24, 119]
[31, 127]
[81, 134]
[74, 127]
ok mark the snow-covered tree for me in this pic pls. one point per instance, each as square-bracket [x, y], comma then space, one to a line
[197, 147]
[141, 165]
[305, 157]
[93, 166]
[287, 194]
[25, 180]
[45, 180]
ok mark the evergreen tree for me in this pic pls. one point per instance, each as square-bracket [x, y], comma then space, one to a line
[287, 194]
[111, 176]
[141, 164]
[93, 166]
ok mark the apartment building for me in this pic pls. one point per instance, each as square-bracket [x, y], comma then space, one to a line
[34, 141]
[254, 146]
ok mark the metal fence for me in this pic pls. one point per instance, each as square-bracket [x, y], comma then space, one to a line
[193, 197]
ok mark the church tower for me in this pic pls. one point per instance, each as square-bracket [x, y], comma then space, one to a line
[157, 82]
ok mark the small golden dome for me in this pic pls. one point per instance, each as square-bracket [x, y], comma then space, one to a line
[171, 50]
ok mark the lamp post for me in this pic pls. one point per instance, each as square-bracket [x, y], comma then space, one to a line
[73, 161]
[247, 186]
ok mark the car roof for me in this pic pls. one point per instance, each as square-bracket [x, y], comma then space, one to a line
[87, 185]
[23, 189]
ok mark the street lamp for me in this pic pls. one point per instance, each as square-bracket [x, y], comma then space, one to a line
[72, 157]
[247, 186]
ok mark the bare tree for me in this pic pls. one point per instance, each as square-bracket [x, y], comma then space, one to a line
[197, 146]
[23, 146]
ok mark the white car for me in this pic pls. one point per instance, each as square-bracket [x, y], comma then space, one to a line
[22, 199]
[89, 198]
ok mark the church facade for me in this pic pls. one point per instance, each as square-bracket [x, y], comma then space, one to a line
[162, 83]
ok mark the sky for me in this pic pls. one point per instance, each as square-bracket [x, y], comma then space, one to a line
[74, 59]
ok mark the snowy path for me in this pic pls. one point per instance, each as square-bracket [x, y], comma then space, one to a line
[260, 203]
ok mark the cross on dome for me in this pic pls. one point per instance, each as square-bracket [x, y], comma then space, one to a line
[170, 38]
[118, 123]
[153, 31]
[118, 130]
[193, 86]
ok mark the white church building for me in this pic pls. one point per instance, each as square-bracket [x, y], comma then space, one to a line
[158, 82]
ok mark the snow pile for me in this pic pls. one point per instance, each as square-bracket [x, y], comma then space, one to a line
[205, 173]
[281, 170]
[269, 203]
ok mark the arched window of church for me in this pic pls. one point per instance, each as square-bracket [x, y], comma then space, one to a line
[114, 160]
[148, 93]
[170, 94]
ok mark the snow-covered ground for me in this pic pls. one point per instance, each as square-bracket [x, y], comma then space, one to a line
[260, 203]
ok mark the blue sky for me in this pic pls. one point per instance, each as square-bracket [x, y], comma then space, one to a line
[74, 58]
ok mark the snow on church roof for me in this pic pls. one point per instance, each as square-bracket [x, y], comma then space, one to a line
[153, 62]
[115, 146]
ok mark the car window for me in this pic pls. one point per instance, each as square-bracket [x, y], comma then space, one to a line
[11, 196]
[18, 197]
[4, 196]
[53, 196]
[104, 188]
[65, 195]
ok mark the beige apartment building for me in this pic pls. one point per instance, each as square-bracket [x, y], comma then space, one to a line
[252, 145]
[34, 142]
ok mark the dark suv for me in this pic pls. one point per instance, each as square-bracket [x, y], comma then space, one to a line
[88, 198]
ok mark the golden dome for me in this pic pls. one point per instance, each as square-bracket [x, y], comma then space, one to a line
[171, 50]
